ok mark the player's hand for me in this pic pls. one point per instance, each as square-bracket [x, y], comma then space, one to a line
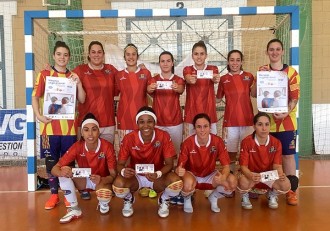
[66, 172]
[255, 177]
[180, 171]
[216, 78]
[281, 176]
[264, 68]
[96, 179]
[191, 79]
[152, 87]
[175, 86]
[44, 119]
[280, 116]
[75, 78]
[142, 66]
[151, 176]
[128, 173]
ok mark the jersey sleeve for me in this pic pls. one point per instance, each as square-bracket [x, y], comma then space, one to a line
[111, 157]
[39, 86]
[70, 155]
[244, 155]
[124, 151]
[223, 155]
[220, 91]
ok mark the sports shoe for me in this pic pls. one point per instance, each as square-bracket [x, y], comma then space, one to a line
[85, 195]
[214, 203]
[128, 207]
[291, 198]
[187, 206]
[246, 204]
[174, 200]
[104, 207]
[231, 195]
[164, 205]
[152, 193]
[272, 201]
[144, 192]
[67, 203]
[52, 201]
[180, 200]
[71, 215]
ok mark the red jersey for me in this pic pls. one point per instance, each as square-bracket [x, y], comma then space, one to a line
[236, 89]
[260, 158]
[155, 152]
[200, 97]
[289, 123]
[55, 127]
[166, 102]
[133, 95]
[101, 161]
[100, 91]
[201, 160]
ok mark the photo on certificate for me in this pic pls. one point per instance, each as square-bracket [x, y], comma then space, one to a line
[163, 85]
[60, 98]
[144, 168]
[204, 74]
[81, 172]
[269, 176]
[272, 91]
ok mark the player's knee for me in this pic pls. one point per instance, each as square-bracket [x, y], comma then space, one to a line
[120, 192]
[176, 186]
[50, 163]
[104, 195]
[294, 181]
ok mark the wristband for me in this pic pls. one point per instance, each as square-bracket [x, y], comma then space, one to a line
[122, 172]
[159, 174]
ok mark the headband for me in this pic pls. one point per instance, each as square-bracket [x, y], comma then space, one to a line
[90, 121]
[132, 47]
[146, 113]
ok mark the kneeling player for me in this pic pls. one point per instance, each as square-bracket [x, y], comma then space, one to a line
[147, 145]
[261, 152]
[94, 153]
[197, 161]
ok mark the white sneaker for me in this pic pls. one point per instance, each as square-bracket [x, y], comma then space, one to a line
[164, 205]
[104, 207]
[272, 201]
[71, 215]
[214, 203]
[128, 207]
[187, 206]
[246, 204]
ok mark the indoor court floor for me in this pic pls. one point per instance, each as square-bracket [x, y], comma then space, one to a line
[22, 210]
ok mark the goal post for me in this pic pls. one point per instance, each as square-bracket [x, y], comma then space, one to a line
[233, 27]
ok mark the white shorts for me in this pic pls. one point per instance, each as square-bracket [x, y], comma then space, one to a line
[144, 182]
[233, 136]
[191, 129]
[176, 135]
[206, 179]
[107, 133]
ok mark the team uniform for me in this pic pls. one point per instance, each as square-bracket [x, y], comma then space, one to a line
[133, 95]
[285, 130]
[238, 116]
[155, 152]
[166, 104]
[201, 160]
[100, 91]
[200, 97]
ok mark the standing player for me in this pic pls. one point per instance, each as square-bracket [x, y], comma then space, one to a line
[196, 165]
[284, 125]
[200, 96]
[261, 152]
[238, 117]
[98, 80]
[166, 102]
[94, 153]
[56, 135]
[152, 146]
[132, 86]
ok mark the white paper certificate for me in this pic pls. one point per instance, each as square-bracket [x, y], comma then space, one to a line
[204, 74]
[144, 168]
[269, 176]
[162, 85]
[59, 98]
[81, 172]
[272, 91]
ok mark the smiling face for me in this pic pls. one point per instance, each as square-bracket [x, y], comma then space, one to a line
[203, 129]
[199, 56]
[96, 55]
[262, 127]
[146, 124]
[61, 58]
[275, 52]
[235, 63]
[91, 133]
[131, 56]
[166, 63]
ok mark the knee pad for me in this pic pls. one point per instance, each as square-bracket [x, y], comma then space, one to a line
[294, 182]
[50, 163]
[104, 195]
[176, 186]
[120, 192]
